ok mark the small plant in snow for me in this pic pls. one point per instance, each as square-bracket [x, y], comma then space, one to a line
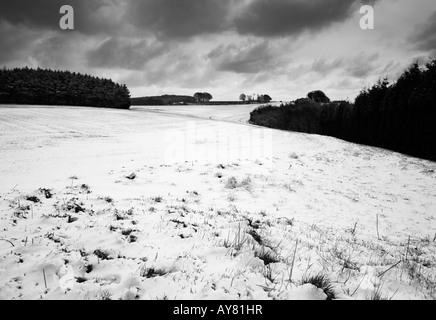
[267, 256]
[322, 282]
[157, 199]
[253, 233]
[239, 240]
[126, 232]
[105, 295]
[152, 272]
[377, 294]
[294, 156]
[246, 184]
[268, 273]
[72, 219]
[120, 215]
[33, 199]
[103, 255]
[132, 238]
[232, 183]
[85, 189]
[47, 192]
[108, 199]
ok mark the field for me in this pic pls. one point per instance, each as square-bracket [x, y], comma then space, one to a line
[192, 202]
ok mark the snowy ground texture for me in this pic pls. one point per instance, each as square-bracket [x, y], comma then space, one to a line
[194, 203]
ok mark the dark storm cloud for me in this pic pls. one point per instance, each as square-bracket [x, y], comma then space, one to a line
[169, 19]
[13, 41]
[180, 19]
[29, 30]
[128, 34]
[37, 13]
[89, 16]
[176, 19]
[125, 53]
[425, 37]
[271, 18]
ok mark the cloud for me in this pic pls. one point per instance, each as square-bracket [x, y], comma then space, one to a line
[14, 42]
[36, 48]
[361, 65]
[178, 19]
[425, 36]
[249, 58]
[125, 53]
[275, 18]
[324, 67]
[56, 51]
[181, 19]
[282, 46]
[38, 13]
[90, 17]
[179, 68]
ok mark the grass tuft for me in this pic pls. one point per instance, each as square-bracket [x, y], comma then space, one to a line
[33, 199]
[322, 282]
[255, 236]
[267, 256]
[103, 255]
[153, 272]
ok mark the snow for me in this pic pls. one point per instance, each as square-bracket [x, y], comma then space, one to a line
[218, 209]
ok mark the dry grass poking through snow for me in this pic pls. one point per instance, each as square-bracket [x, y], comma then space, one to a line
[196, 244]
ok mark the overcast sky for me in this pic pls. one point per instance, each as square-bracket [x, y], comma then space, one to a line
[284, 48]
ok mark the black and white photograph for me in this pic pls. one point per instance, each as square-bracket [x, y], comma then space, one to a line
[246, 151]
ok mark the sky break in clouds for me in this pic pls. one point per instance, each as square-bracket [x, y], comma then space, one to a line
[285, 48]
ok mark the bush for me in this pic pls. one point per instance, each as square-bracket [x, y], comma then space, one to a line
[301, 116]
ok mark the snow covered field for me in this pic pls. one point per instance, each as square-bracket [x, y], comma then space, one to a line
[191, 202]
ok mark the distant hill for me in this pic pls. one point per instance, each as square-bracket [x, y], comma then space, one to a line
[162, 100]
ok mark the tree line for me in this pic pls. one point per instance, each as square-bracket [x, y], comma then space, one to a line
[52, 87]
[253, 98]
[162, 100]
[197, 98]
[399, 116]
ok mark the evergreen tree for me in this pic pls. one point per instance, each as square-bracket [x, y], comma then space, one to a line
[49, 87]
